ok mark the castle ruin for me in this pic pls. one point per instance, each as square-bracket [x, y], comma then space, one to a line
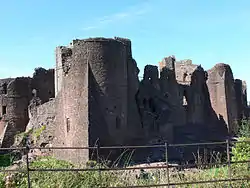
[15, 97]
[94, 95]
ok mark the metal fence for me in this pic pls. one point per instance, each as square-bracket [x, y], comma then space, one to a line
[167, 166]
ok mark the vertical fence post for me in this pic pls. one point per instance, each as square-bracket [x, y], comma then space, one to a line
[98, 159]
[229, 163]
[166, 155]
[27, 160]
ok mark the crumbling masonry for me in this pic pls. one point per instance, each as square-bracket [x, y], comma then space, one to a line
[15, 97]
[97, 97]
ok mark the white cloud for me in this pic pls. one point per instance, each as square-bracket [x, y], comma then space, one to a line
[88, 28]
[129, 14]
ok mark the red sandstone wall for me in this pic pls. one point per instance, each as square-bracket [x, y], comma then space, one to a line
[92, 102]
[72, 107]
[222, 95]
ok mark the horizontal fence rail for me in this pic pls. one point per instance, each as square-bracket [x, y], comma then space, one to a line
[184, 183]
[166, 165]
[128, 147]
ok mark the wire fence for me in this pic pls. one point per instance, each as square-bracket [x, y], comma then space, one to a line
[167, 166]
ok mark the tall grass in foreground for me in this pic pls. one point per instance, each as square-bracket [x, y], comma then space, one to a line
[94, 179]
[1, 180]
[121, 178]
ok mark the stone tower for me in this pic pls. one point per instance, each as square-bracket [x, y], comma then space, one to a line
[92, 94]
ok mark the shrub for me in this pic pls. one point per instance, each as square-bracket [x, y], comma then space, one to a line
[241, 150]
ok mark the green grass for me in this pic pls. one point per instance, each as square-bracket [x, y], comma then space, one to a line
[1, 180]
[133, 177]
[121, 178]
[217, 174]
[62, 179]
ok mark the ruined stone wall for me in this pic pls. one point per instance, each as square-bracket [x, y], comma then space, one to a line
[244, 100]
[108, 88]
[198, 100]
[3, 94]
[72, 100]
[93, 95]
[244, 94]
[133, 118]
[184, 86]
[222, 94]
[167, 62]
[3, 85]
[172, 91]
[148, 89]
[44, 116]
[62, 53]
[238, 87]
[14, 108]
[44, 84]
[155, 109]
[184, 70]
[15, 96]
[3, 126]
[231, 100]
[98, 97]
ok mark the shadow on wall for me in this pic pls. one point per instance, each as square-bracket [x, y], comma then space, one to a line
[164, 96]
[98, 129]
[202, 124]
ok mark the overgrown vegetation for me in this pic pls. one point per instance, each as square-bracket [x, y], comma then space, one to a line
[61, 179]
[78, 179]
[1, 180]
[205, 158]
[6, 160]
[32, 134]
[241, 150]
[244, 129]
[121, 178]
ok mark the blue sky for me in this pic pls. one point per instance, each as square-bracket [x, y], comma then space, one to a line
[206, 31]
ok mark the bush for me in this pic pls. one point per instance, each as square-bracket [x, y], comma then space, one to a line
[241, 150]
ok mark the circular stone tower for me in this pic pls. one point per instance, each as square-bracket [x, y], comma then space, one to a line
[92, 99]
